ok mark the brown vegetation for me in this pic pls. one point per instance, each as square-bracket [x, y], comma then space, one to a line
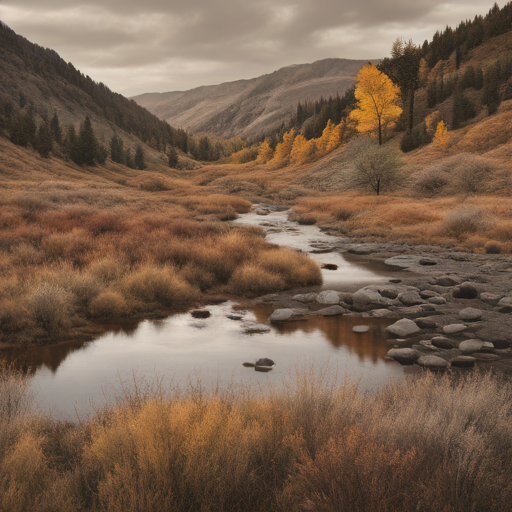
[428, 444]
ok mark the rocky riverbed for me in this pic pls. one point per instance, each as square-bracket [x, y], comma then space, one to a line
[452, 309]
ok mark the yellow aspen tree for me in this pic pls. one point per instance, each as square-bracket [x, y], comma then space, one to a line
[431, 122]
[441, 136]
[323, 141]
[283, 149]
[336, 137]
[298, 154]
[377, 101]
[265, 153]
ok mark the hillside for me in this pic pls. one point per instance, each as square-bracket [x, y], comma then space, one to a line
[35, 81]
[252, 108]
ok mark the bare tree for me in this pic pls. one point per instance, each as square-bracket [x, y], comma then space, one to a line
[377, 168]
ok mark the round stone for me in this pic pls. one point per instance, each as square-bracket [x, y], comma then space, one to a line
[471, 314]
[432, 362]
[403, 328]
[442, 342]
[470, 346]
[454, 328]
[404, 355]
[361, 328]
[328, 297]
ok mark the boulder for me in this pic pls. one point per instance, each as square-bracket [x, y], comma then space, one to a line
[433, 362]
[410, 298]
[345, 297]
[490, 298]
[471, 314]
[442, 342]
[470, 346]
[446, 281]
[463, 361]
[328, 297]
[465, 291]
[331, 311]
[403, 328]
[425, 323]
[454, 328]
[368, 299]
[438, 301]
[281, 315]
[265, 361]
[404, 356]
[505, 305]
[389, 293]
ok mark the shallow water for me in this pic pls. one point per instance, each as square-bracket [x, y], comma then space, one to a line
[68, 377]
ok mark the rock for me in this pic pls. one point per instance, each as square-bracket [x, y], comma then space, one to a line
[487, 357]
[404, 355]
[501, 344]
[200, 313]
[465, 291]
[490, 298]
[345, 297]
[370, 299]
[471, 315]
[427, 344]
[470, 346]
[487, 347]
[395, 281]
[446, 281]
[265, 361]
[399, 343]
[425, 323]
[382, 313]
[433, 362]
[360, 251]
[321, 251]
[454, 328]
[389, 293]
[438, 301]
[281, 315]
[442, 342]
[428, 294]
[248, 365]
[410, 298]
[361, 328]
[505, 305]
[463, 361]
[263, 368]
[234, 317]
[329, 266]
[307, 297]
[256, 328]
[427, 262]
[328, 297]
[403, 328]
[331, 311]
[262, 212]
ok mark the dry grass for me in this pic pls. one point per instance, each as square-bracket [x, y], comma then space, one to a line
[428, 444]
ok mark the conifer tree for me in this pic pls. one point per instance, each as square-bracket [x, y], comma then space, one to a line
[173, 158]
[116, 149]
[139, 160]
[71, 145]
[128, 160]
[463, 109]
[43, 141]
[101, 153]
[55, 128]
[204, 149]
[87, 143]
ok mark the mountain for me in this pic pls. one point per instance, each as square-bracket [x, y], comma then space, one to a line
[252, 108]
[37, 83]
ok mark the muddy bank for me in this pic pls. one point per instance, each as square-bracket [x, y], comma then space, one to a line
[452, 305]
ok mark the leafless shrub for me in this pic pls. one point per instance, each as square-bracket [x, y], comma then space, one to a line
[431, 181]
[466, 220]
[51, 306]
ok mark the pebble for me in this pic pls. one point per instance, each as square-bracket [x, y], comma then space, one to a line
[433, 362]
[425, 323]
[471, 314]
[438, 301]
[442, 342]
[490, 298]
[404, 355]
[454, 328]
[361, 328]
[469, 346]
[465, 291]
[403, 328]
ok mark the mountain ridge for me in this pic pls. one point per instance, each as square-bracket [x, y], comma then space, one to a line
[252, 107]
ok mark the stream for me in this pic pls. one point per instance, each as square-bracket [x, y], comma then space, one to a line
[70, 378]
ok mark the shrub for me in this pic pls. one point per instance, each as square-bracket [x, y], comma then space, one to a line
[493, 247]
[251, 279]
[14, 317]
[465, 220]
[342, 214]
[150, 284]
[51, 306]
[306, 220]
[107, 269]
[431, 181]
[108, 305]
[472, 173]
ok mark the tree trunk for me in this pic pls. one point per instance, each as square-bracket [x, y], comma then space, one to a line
[380, 133]
[378, 187]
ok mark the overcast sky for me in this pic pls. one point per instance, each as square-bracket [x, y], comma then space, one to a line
[136, 46]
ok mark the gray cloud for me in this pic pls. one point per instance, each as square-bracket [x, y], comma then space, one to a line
[160, 45]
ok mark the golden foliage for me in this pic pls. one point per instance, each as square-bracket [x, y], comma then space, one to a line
[441, 136]
[265, 153]
[284, 149]
[377, 101]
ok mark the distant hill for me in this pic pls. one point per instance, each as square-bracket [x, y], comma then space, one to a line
[255, 107]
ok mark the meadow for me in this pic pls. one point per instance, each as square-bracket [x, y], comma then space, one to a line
[432, 443]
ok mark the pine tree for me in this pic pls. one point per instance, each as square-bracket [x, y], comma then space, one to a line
[139, 160]
[173, 158]
[87, 143]
[43, 141]
[71, 145]
[56, 129]
[128, 160]
[116, 149]
[101, 153]
[204, 149]
[463, 109]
